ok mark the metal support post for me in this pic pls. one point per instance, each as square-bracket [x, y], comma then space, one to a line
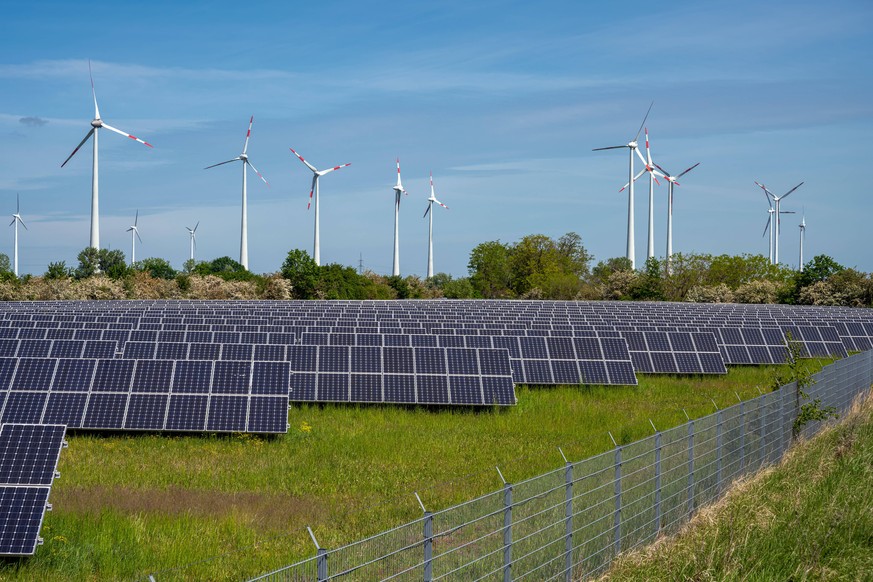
[657, 482]
[690, 467]
[718, 451]
[507, 532]
[617, 516]
[568, 518]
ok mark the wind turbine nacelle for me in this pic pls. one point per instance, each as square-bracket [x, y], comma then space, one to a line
[97, 123]
[243, 157]
[632, 144]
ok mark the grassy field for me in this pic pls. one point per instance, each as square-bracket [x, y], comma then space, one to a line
[227, 507]
[777, 526]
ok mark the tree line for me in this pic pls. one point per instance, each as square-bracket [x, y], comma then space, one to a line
[535, 267]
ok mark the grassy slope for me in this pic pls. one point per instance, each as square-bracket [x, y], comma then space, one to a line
[778, 526]
[128, 505]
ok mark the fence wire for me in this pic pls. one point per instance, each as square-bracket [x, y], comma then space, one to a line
[569, 524]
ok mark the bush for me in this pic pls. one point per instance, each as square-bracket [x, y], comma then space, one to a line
[720, 293]
[761, 291]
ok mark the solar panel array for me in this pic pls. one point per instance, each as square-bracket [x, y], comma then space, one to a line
[28, 466]
[674, 352]
[154, 395]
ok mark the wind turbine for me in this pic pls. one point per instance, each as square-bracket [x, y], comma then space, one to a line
[671, 180]
[776, 218]
[16, 218]
[430, 202]
[134, 234]
[244, 222]
[802, 226]
[632, 146]
[649, 167]
[398, 190]
[193, 233]
[316, 174]
[96, 124]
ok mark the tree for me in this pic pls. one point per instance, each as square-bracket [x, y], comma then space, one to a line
[157, 268]
[224, 267]
[89, 263]
[58, 270]
[649, 285]
[604, 269]
[458, 289]
[5, 264]
[489, 270]
[820, 268]
[113, 263]
[302, 272]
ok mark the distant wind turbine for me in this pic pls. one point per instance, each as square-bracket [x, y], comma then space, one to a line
[650, 168]
[632, 145]
[193, 233]
[96, 124]
[134, 234]
[244, 221]
[430, 202]
[16, 218]
[398, 190]
[802, 226]
[316, 174]
[671, 180]
[776, 216]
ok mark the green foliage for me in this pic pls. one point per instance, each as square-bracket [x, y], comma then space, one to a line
[300, 269]
[157, 268]
[5, 263]
[58, 270]
[490, 274]
[650, 285]
[109, 262]
[224, 267]
[604, 269]
[458, 289]
[400, 286]
[338, 282]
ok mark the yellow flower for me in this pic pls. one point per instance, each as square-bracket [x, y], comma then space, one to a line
[305, 427]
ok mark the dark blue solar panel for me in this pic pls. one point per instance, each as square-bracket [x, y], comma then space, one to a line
[423, 341]
[705, 342]
[186, 412]
[366, 388]
[738, 355]
[198, 337]
[99, 349]
[451, 341]
[397, 340]
[269, 353]
[687, 363]
[752, 336]
[622, 373]
[398, 360]
[561, 348]
[588, 348]
[642, 362]
[230, 377]
[463, 361]
[143, 335]
[302, 386]
[252, 337]
[146, 411]
[681, 342]
[759, 355]
[140, 350]
[172, 351]
[429, 361]
[664, 363]
[282, 338]
[369, 339]
[712, 363]
[226, 337]
[538, 372]
[333, 387]
[636, 341]
[432, 389]
[465, 390]
[192, 376]
[593, 372]
[399, 388]
[31, 348]
[239, 352]
[333, 359]
[32, 333]
[227, 413]
[565, 371]
[270, 378]
[496, 390]
[152, 376]
[67, 349]
[21, 513]
[65, 408]
[62, 333]
[74, 375]
[25, 407]
[366, 359]
[533, 347]
[105, 410]
[494, 362]
[302, 358]
[341, 339]
[113, 376]
[34, 374]
[203, 351]
[268, 414]
[171, 336]
[8, 348]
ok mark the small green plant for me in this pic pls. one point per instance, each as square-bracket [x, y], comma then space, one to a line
[800, 374]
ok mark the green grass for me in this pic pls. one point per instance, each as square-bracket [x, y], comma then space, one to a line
[129, 505]
[777, 526]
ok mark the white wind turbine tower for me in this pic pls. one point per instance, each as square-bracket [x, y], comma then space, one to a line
[632, 145]
[430, 202]
[193, 233]
[671, 180]
[649, 167]
[776, 216]
[16, 218]
[244, 221]
[802, 227]
[316, 174]
[134, 234]
[96, 124]
[398, 190]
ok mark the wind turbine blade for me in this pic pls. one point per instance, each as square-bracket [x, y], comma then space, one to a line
[133, 137]
[787, 212]
[311, 190]
[686, 171]
[644, 120]
[441, 204]
[790, 191]
[308, 165]
[637, 177]
[93, 92]
[426, 211]
[640, 156]
[609, 148]
[328, 171]
[136, 218]
[767, 226]
[13, 221]
[648, 154]
[17, 203]
[248, 134]
[22, 223]
[222, 163]
[196, 225]
[666, 173]
[136, 232]
[81, 143]
[764, 188]
[257, 172]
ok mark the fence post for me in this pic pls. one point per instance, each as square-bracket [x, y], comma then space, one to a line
[568, 518]
[781, 424]
[742, 435]
[690, 467]
[507, 532]
[657, 478]
[320, 560]
[762, 441]
[718, 452]
[428, 546]
[617, 517]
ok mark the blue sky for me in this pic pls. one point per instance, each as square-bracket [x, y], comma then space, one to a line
[503, 101]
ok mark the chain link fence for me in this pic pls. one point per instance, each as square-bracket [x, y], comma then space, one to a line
[570, 523]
